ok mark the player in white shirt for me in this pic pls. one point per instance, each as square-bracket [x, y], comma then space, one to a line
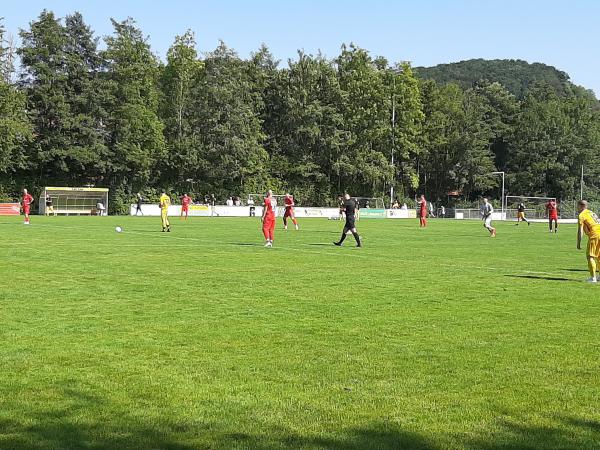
[486, 213]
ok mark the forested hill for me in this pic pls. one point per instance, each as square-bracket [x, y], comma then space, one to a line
[515, 75]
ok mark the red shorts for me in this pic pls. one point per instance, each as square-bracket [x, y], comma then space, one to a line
[423, 214]
[185, 208]
[289, 212]
[553, 217]
[26, 209]
[268, 228]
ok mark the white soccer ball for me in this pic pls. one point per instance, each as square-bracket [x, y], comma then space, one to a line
[118, 229]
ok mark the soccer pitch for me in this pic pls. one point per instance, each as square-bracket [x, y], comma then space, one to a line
[202, 339]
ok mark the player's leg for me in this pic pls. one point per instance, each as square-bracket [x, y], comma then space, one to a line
[343, 237]
[556, 225]
[592, 268]
[294, 221]
[265, 230]
[356, 237]
[285, 216]
[272, 231]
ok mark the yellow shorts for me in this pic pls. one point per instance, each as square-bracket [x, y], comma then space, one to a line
[593, 247]
[521, 215]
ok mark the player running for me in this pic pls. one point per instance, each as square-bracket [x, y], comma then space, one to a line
[486, 213]
[268, 218]
[422, 211]
[26, 202]
[165, 202]
[350, 208]
[289, 211]
[185, 206]
[138, 204]
[590, 225]
[521, 214]
[552, 211]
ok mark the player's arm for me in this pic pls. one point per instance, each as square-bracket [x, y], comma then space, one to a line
[264, 213]
[579, 235]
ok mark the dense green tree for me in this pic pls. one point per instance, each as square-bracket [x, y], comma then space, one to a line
[231, 131]
[15, 129]
[44, 79]
[365, 164]
[135, 133]
[307, 127]
[457, 139]
[178, 112]
[554, 137]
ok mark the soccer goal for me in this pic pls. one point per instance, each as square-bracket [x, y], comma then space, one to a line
[535, 207]
[258, 199]
[370, 202]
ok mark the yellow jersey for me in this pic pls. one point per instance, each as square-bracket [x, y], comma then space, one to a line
[165, 201]
[590, 222]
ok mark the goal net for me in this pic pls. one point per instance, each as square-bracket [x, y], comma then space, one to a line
[535, 207]
[258, 199]
[370, 202]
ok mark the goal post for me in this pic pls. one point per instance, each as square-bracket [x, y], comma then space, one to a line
[370, 202]
[258, 199]
[535, 207]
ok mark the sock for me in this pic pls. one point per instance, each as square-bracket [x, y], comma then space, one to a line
[357, 238]
[295, 222]
[343, 237]
[592, 267]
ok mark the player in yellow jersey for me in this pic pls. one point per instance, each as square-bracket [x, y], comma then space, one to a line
[165, 202]
[590, 225]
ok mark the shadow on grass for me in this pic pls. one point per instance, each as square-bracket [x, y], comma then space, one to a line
[540, 277]
[90, 422]
[321, 244]
[575, 270]
[568, 433]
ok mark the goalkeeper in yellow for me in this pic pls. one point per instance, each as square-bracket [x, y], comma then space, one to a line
[590, 225]
[165, 202]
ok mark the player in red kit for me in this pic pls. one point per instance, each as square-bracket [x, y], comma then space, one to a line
[185, 205]
[268, 218]
[26, 202]
[289, 211]
[422, 211]
[552, 210]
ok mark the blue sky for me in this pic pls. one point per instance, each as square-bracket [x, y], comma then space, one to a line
[564, 34]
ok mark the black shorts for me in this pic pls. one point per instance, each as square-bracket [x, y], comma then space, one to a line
[350, 222]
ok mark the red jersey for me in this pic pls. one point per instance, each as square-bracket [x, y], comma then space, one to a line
[27, 200]
[289, 202]
[185, 201]
[423, 205]
[270, 205]
[552, 209]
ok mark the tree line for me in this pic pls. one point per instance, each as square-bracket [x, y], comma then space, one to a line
[79, 111]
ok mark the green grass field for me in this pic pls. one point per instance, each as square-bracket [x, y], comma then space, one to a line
[203, 339]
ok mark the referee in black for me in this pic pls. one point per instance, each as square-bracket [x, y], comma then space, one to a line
[349, 206]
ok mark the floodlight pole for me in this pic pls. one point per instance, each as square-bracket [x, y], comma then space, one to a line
[581, 185]
[502, 199]
[393, 139]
